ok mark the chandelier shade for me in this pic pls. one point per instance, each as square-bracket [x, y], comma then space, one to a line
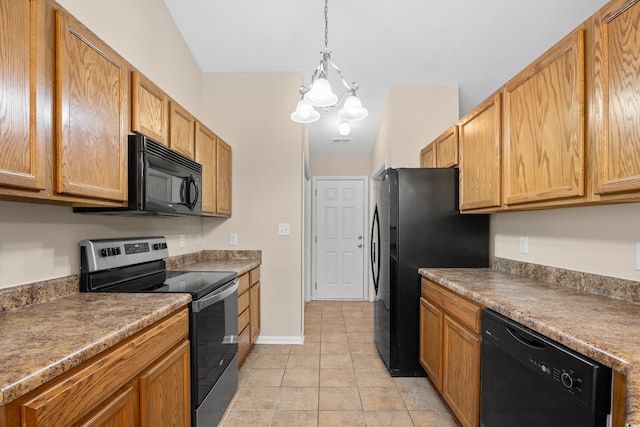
[319, 94]
[305, 113]
[353, 109]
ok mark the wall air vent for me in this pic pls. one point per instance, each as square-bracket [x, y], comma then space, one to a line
[341, 140]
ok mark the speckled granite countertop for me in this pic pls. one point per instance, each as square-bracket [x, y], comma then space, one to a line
[239, 261]
[43, 340]
[603, 328]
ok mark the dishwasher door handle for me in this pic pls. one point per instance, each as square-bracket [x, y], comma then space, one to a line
[528, 341]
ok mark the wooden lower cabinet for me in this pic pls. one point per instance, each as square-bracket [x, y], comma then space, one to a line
[142, 381]
[461, 371]
[431, 320]
[248, 312]
[450, 349]
[164, 391]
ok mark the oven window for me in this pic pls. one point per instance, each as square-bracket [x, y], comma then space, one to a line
[214, 343]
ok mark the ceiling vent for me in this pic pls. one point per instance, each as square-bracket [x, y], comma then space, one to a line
[341, 140]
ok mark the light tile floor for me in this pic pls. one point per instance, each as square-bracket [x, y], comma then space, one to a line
[335, 379]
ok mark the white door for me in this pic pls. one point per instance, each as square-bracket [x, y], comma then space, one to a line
[340, 238]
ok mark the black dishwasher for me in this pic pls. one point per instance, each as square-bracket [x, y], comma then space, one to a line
[528, 380]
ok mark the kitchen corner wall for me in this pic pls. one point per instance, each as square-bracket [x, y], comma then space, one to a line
[595, 239]
[251, 112]
[413, 117]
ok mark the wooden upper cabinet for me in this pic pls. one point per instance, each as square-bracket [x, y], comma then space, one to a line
[428, 156]
[544, 126]
[447, 148]
[92, 106]
[480, 156]
[223, 187]
[615, 108]
[206, 156]
[149, 108]
[22, 162]
[181, 130]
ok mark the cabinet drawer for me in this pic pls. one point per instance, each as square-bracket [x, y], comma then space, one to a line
[254, 275]
[243, 302]
[243, 286]
[243, 320]
[467, 312]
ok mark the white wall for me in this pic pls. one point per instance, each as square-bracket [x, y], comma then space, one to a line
[40, 242]
[340, 166]
[596, 239]
[251, 112]
[413, 117]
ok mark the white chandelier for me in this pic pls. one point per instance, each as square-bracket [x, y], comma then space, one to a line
[319, 93]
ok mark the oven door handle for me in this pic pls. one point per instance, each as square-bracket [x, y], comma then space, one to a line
[215, 297]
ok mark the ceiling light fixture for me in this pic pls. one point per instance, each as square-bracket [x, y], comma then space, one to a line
[319, 93]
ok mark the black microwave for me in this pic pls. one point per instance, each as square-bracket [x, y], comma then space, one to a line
[162, 182]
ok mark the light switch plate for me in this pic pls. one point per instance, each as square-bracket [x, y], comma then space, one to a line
[233, 239]
[638, 256]
[284, 229]
[183, 241]
[199, 241]
[524, 244]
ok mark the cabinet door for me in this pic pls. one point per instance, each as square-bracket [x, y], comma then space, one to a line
[431, 320]
[254, 311]
[461, 372]
[165, 391]
[206, 156]
[616, 111]
[223, 187]
[149, 108]
[22, 157]
[447, 148]
[544, 134]
[181, 130]
[428, 156]
[117, 412]
[244, 345]
[91, 98]
[480, 156]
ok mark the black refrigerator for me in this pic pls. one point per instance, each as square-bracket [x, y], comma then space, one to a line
[417, 224]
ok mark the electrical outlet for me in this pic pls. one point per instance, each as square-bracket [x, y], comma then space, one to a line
[284, 229]
[524, 244]
[183, 241]
[233, 239]
[638, 256]
[199, 239]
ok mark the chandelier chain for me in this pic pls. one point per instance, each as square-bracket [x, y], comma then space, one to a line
[326, 24]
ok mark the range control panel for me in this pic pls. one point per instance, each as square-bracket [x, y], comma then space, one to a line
[104, 254]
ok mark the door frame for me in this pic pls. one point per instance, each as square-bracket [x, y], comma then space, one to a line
[365, 222]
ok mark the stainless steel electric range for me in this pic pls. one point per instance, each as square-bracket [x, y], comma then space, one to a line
[138, 265]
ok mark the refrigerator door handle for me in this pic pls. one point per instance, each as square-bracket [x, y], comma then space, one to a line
[375, 248]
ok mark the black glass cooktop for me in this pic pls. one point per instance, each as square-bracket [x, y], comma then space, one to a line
[196, 283]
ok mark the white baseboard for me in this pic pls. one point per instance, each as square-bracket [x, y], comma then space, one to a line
[296, 340]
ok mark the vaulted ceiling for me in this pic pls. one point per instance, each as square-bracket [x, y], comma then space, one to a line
[477, 45]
